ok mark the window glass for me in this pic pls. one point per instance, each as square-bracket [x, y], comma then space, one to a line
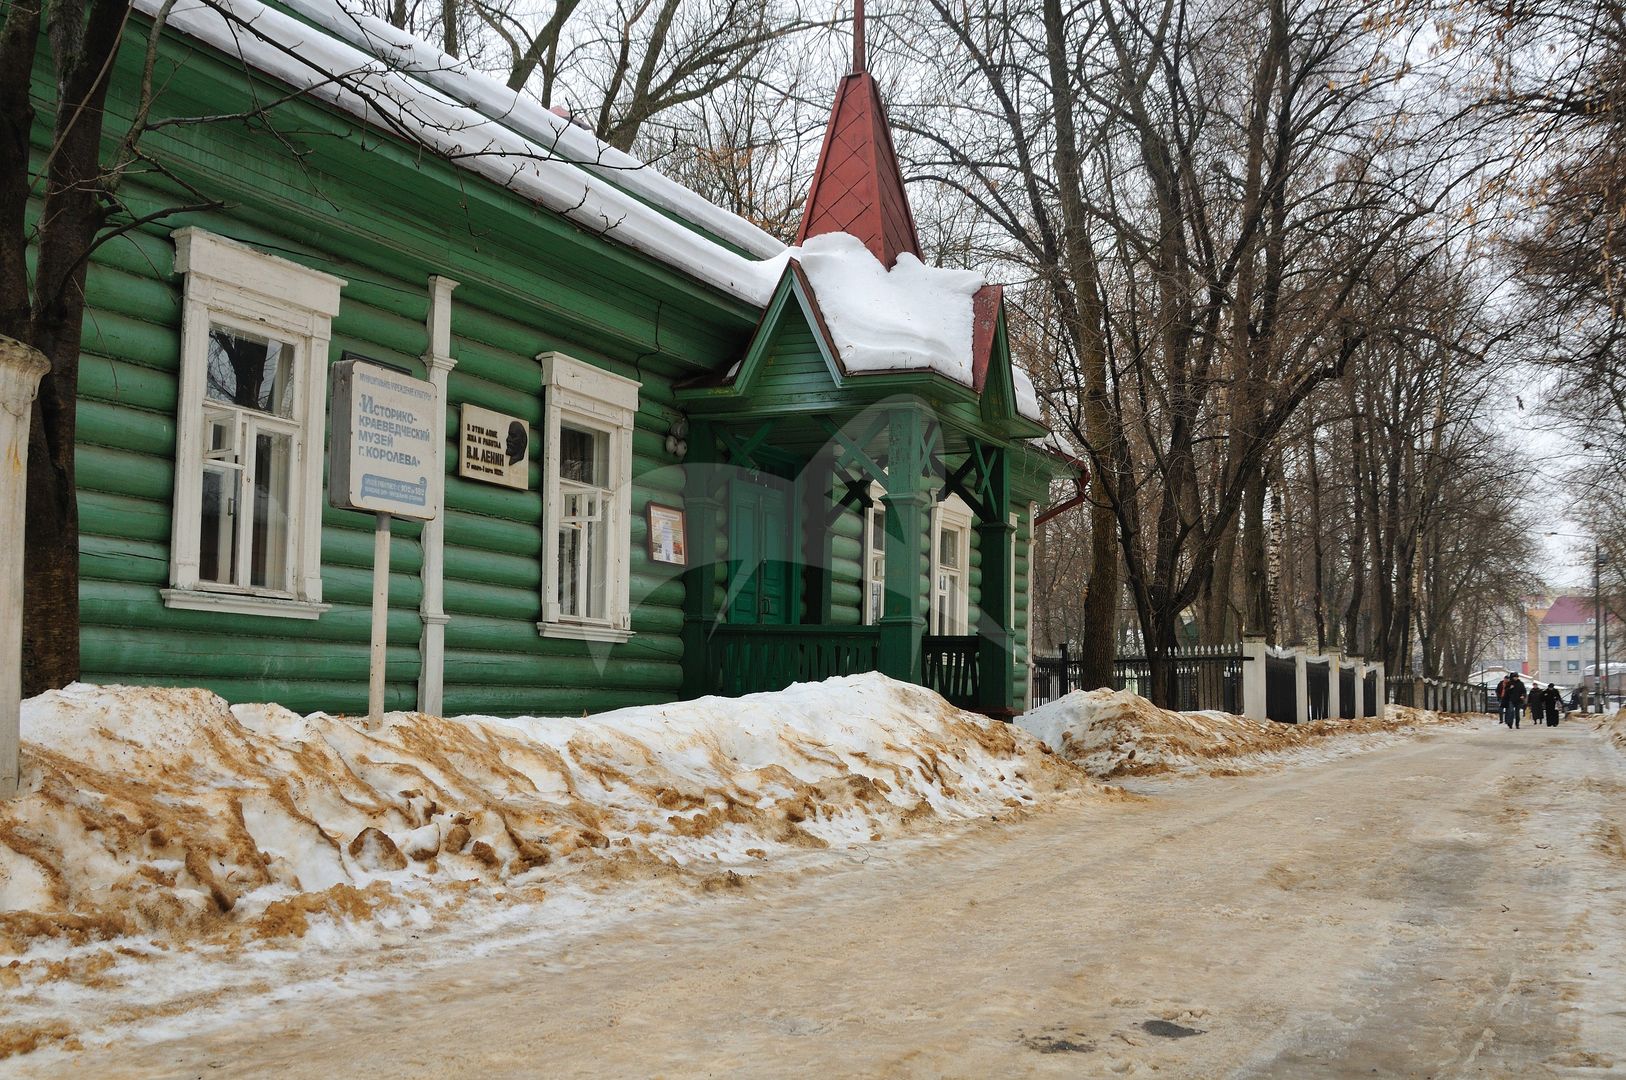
[877, 563]
[249, 371]
[273, 469]
[1574, 665]
[948, 548]
[583, 540]
[1573, 640]
[582, 456]
[217, 537]
[1552, 642]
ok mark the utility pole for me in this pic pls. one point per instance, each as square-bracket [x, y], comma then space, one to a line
[1597, 625]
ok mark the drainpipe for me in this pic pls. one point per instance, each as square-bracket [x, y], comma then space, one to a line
[21, 369]
[432, 646]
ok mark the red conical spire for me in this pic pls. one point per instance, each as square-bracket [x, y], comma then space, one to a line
[857, 187]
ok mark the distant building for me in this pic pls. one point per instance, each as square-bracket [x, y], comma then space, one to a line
[1562, 648]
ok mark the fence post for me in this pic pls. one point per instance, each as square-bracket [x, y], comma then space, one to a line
[1062, 689]
[1254, 663]
[1335, 697]
[1359, 664]
[1419, 693]
[1301, 688]
[21, 369]
[1381, 692]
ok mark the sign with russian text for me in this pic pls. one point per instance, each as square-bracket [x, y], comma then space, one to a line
[383, 452]
[494, 448]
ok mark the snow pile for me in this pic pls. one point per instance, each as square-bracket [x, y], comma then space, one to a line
[1117, 733]
[912, 317]
[1613, 728]
[165, 812]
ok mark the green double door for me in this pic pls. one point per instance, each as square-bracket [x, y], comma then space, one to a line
[759, 531]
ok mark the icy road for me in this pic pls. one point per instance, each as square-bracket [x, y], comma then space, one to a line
[1452, 905]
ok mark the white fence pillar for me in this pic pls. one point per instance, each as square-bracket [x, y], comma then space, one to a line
[1335, 671]
[1381, 692]
[21, 369]
[1301, 687]
[1359, 664]
[1254, 673]
[431, 609]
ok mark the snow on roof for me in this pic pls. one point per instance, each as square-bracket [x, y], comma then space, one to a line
[449, 119]
[458, 80]
[912, 317]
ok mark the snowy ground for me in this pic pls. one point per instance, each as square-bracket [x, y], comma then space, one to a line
[955, 804]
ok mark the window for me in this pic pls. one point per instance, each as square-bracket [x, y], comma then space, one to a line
[1573, 665]
[951, 556]
[874, 556]
[1552, 667]
[246, 534]
[586, 500]
[1573, 640]
[1552, 641]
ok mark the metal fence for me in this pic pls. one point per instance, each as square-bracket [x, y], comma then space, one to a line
[1205, 677]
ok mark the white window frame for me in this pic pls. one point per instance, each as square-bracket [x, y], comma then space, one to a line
[951, 513]
[874, 561]
[238, 286]
[577, 394]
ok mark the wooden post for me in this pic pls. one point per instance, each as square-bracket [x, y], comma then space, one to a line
[381, 622]
[996, 638]
[700, 506]
[1062, 689]
[903, 617]
[21, 369]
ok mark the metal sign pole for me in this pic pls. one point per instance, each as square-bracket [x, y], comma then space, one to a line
[381, 621]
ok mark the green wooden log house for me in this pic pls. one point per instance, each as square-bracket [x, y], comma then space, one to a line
[691, 470]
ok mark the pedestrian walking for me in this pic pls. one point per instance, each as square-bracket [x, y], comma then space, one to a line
[1501, 697]
[1555, 702]
[1538, 702]
[1513, 700]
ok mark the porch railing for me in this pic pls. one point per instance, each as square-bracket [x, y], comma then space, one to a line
[949, 666]
[749, 659]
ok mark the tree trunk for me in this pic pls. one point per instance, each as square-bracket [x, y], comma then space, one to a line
[83, 40]
[1098, 649]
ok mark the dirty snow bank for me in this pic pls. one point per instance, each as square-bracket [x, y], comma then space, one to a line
[1613, 728]
[1117, 733]
[166, 813]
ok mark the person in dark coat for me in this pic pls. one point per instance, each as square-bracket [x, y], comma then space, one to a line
[1513, 701]
[1538, 702]
[1555, 702]
[1501, 697]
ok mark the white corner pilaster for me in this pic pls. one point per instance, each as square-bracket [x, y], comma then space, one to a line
[1382, 694]
[21, 369]
[1254, 664]
[438, 362]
